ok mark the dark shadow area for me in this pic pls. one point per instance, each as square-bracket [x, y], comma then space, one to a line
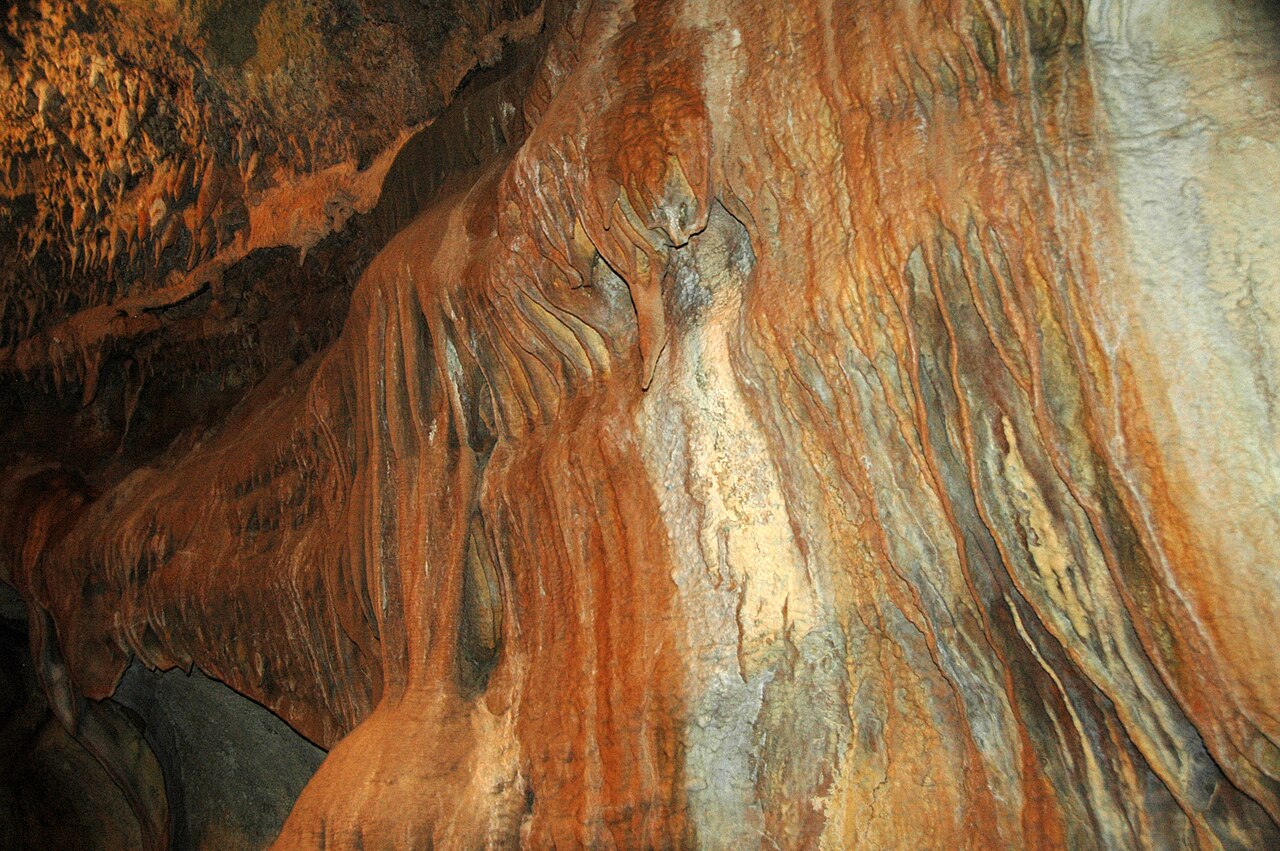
[232, 769]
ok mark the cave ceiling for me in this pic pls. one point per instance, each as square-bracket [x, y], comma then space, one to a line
[162, 160]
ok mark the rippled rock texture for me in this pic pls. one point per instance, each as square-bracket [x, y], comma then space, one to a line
[770, 425]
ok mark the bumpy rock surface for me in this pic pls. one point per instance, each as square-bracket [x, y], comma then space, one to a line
[762, 425]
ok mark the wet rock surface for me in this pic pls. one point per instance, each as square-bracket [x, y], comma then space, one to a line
[721, 425]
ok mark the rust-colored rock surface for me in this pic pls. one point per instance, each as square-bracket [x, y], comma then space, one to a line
[761, 425]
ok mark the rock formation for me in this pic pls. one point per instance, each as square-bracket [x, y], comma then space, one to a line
[753, 424]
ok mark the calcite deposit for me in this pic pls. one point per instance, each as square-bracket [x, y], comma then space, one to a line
[683, 423]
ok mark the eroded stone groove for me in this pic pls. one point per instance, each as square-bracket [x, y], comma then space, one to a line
[761, 425]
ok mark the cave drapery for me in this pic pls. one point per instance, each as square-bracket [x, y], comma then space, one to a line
[658, 423]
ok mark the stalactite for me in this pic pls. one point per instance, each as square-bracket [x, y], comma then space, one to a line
[752, 431]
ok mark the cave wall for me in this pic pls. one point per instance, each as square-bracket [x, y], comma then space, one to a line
[210, 768]
[804, 425]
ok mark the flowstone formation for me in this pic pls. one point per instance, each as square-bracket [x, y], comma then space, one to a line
[761, 425]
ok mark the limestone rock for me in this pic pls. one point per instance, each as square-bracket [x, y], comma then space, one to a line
[796, 425]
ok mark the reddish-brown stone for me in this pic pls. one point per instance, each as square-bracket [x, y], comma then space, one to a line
[769, 432]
